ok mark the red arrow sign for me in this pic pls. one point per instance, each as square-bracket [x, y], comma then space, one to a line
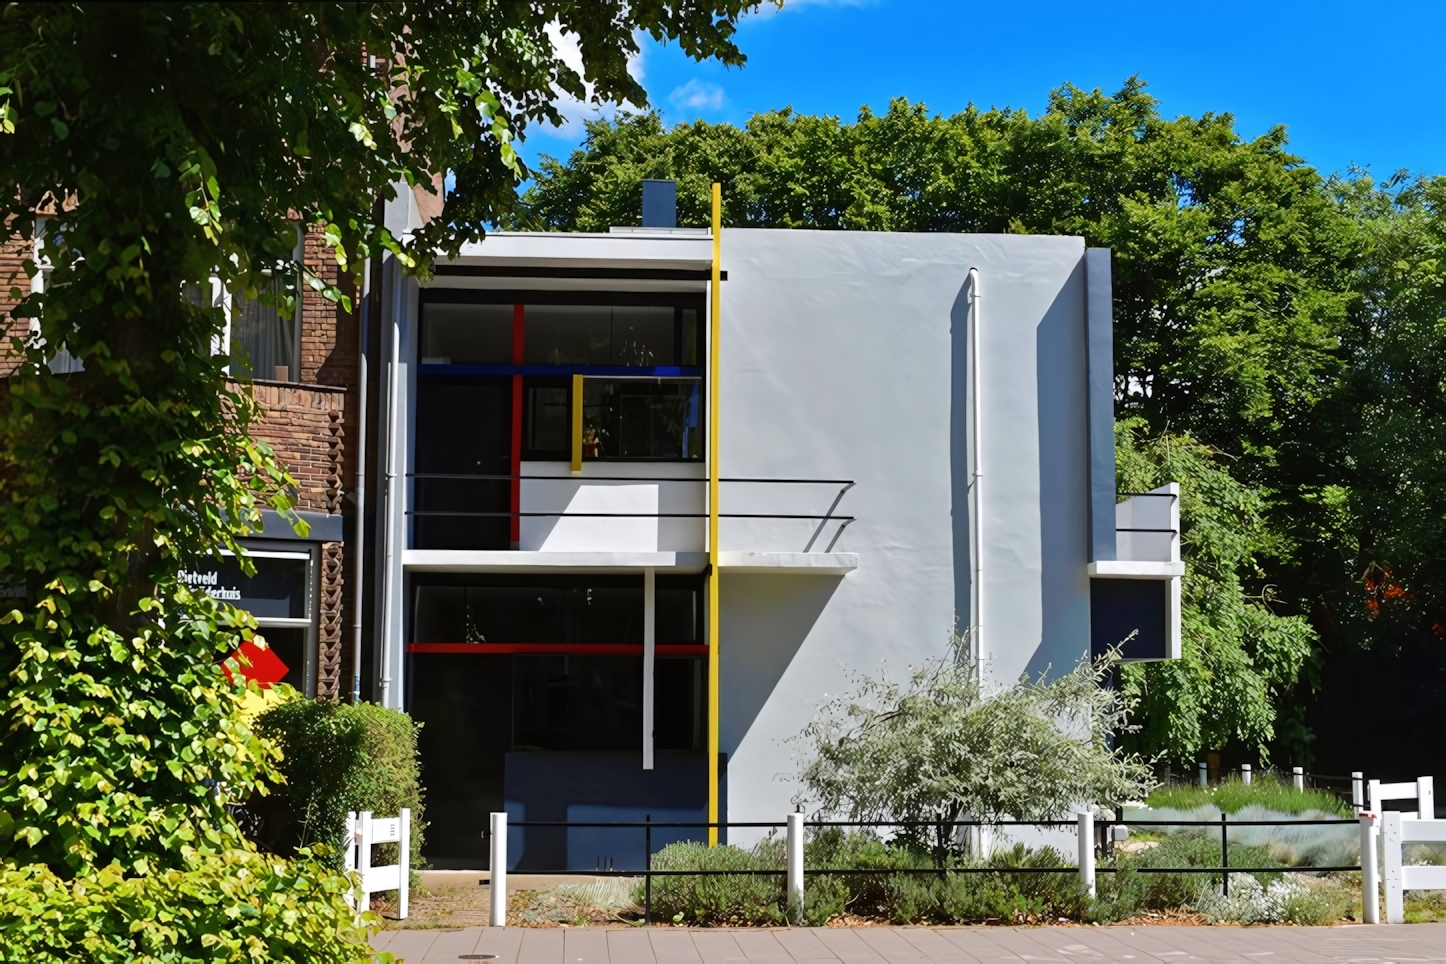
[265, 667]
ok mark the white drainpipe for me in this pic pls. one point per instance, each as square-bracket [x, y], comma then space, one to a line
[976, 629]
[388, 581]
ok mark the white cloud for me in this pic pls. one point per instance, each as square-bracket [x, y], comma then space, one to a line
[697, 95]
[574, 112]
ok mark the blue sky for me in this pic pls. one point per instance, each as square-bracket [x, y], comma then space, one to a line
[1357, 83]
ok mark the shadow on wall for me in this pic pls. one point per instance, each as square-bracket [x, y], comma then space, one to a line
[959, 453]
[1062, 393]
[769, 617]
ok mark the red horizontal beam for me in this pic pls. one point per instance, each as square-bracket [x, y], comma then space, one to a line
[558, 649]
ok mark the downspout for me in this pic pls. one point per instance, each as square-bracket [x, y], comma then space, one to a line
[389, 588]
[366, 317]
[976, 606]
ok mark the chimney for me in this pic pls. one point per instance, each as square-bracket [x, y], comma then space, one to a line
[660, 204]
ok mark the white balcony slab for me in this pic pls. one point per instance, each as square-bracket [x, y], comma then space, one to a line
[1132, 569]
[522, 561]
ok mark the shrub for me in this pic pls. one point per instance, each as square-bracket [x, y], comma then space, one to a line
[235, 905]
[707, 901]
[338, 757]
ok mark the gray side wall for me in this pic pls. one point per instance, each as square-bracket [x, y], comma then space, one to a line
[845, 356]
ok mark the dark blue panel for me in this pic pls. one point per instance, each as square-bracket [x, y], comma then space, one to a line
[1119, 607]
[1099, 319]
[660, 204]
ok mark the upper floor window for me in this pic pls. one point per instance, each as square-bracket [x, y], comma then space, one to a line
[640, 356]
[265, 344]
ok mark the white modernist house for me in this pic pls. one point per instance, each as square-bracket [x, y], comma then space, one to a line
[915, 432]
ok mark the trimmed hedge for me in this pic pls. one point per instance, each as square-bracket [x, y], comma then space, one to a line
[338, 757]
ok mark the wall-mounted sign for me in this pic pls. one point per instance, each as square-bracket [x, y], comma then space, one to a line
[277, 591]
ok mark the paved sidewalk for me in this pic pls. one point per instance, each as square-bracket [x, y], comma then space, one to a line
[1364, 944]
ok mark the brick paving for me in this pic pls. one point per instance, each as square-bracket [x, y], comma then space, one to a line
[1362, 944]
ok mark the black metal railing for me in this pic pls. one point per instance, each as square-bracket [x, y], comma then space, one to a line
[648, 826]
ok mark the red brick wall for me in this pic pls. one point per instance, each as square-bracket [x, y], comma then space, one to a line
[304, 424]
[328, 332]
[12, 275]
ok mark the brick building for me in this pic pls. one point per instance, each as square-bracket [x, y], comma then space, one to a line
[301, 593]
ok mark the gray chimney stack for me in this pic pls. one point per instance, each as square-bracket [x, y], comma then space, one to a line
[660, 204]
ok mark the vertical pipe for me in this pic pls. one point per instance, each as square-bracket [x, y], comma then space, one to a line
[497, 872]
[795, 868]
[1087, 851]
[976, 523]
[648, 869]
[1358, 790]
[650, 636]
[366, 316]
[1297, 777]
[714, 369]
[1204, 774]
[515, 484]
[576, 424]
[391, 527]
[1370, 885]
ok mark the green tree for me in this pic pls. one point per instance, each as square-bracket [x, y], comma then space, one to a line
[1239, 658]
[1232, 266]
[166, 143]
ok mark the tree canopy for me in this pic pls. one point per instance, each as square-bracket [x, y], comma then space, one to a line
[155, 146]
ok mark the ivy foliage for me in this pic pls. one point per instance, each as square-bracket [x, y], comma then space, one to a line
[150, 148]
[1239, 658]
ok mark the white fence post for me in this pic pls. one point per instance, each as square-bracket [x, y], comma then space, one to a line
[404, 863]
[1297, 776]
[1370, 886]
[351, 856]
[1358, 790]
[1425, 798]
[1087, 851]
[498, 873]
[364, 857]
[795, 867]
[1391, 844]
[1245, 774]
[1204, 774]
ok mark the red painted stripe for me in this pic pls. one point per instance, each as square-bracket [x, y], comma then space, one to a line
[518, 336]
[558, 649]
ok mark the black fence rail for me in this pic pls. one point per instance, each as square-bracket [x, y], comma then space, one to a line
[647, 826]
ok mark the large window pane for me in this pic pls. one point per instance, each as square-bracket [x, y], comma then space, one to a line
[642, 419]
[464, 428]
[568, 335]
[643, 336]
[577, 702]
[467, 334]
[263, 343]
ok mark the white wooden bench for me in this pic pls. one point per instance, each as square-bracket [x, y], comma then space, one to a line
[362, 831]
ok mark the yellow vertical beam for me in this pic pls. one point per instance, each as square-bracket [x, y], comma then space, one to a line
[577, 425]
[713, 369]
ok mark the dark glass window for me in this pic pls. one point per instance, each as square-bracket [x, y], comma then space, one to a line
[678, 703]
[460, 334]
[577, 702]
[463, 428]
[277, 591]
[637, 419]
[562, 609]
[547, 419]
[602, 335]
[289, 645]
